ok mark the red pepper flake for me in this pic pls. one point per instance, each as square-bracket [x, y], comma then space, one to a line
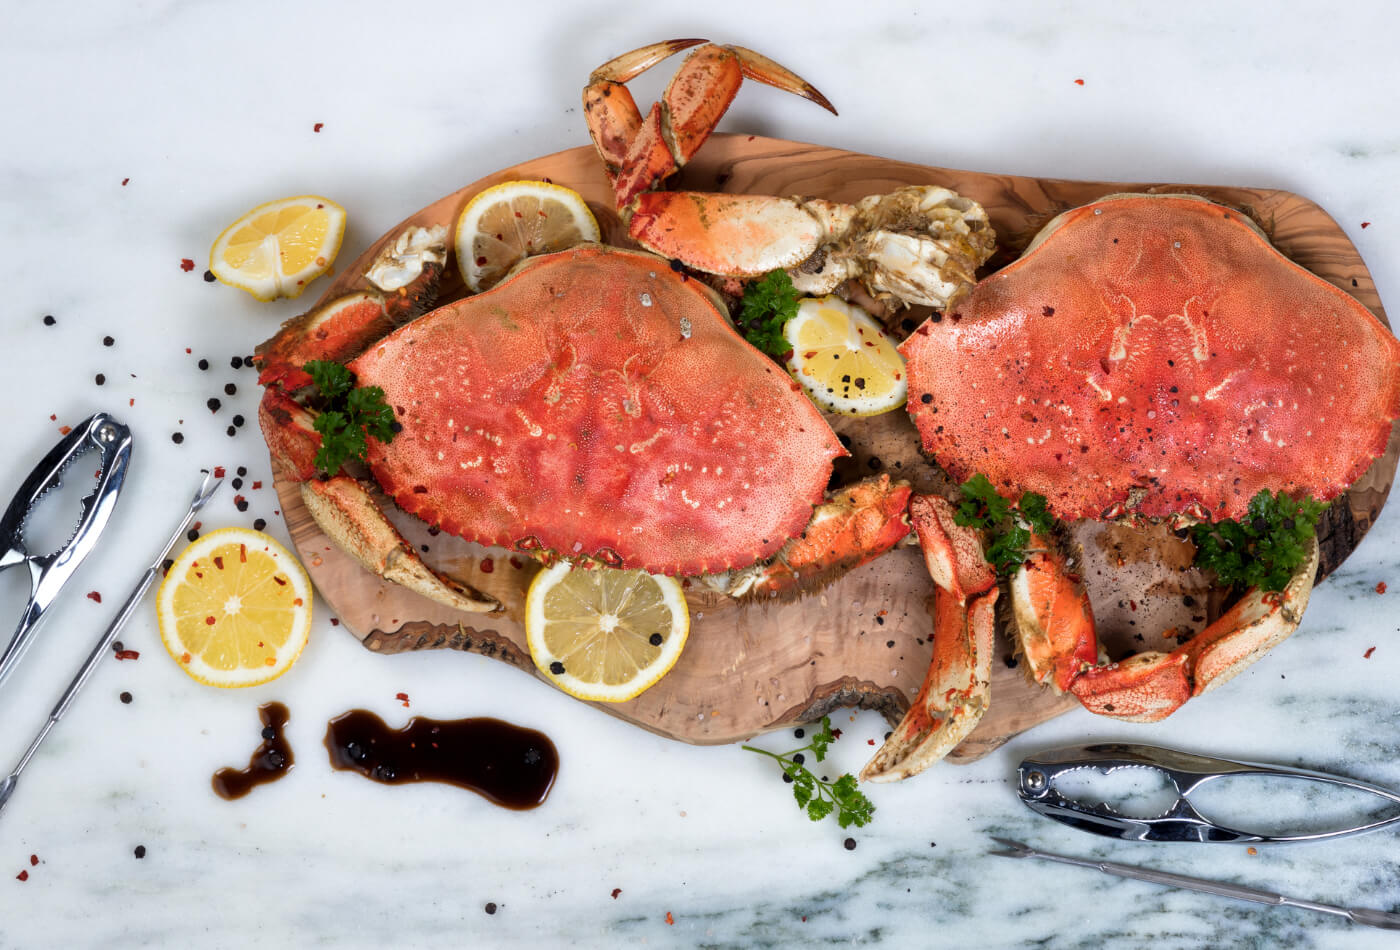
[240, 502]
[487, 565]
[1368, 653]
[219, 471]
[403, 698]
[94, 596]
[22, 876]
[1251, 850]
[53, 418]
[210, 621]
[33, 860]
[1380, 588]
[616, 891]
[869, 741]
[318, 126]
[128, 655]
[131, 401]
[1079, 82]
[124, 181]
[335, 621]
[187, 349]
[64, 430]
[257, 485]
[186, 264]
[670, 921]
[836, 733]
[1365, 224]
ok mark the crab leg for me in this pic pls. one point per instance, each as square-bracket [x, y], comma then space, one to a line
[641, 153]
[857, 523]
[1056, 631]
[955, 692]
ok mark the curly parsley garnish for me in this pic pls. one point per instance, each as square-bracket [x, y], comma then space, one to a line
[1263, 550]
[818, 796]
[351, 415]
[1007, 528]
[768, 304]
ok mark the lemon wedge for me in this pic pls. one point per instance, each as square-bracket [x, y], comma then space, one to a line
[278, 248]
[509, 222]
[603, 634]
[234, 608]
[844, 358]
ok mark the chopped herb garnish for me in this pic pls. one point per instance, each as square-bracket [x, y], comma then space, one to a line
[768, 304]
[1007, 528]
[1263, 550]
[818, 796]
[350, 416]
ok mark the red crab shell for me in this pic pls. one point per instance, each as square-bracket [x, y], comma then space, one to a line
[598, 404]
[1155, 354]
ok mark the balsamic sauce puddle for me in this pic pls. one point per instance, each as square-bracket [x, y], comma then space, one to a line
[510, 766]
[270, 761]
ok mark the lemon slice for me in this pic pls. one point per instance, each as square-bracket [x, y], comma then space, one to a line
[604, 634]
[234, 608]
[278, 248]
[844, 358]
[509, 222]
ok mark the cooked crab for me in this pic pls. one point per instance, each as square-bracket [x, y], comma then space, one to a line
[1148, 357]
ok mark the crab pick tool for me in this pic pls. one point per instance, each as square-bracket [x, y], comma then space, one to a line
[49, 572]
[1186, 772]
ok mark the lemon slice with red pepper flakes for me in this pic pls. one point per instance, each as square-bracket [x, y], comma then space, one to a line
[509, 222]
[603, 634]
[844, 358]
[279, 247]
[234, 608]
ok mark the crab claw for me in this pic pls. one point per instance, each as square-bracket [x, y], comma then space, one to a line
[1053, 617]
[349, 516]
[1151, 686]
[640, 153]
[955, 693]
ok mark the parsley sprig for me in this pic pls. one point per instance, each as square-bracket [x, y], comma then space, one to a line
[768, 304]
[351, 415]
[1007, 528]
[1264, 549]
[818, 796]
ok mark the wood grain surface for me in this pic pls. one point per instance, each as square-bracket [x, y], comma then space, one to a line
[864, 640]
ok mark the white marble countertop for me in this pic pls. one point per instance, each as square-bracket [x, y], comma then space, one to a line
[137, 131]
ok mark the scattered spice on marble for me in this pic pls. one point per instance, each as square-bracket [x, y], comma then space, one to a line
[318, 126]
[124, 181]
[209, 277]
[125, 697]
[1368, 653]
[257, 486]
[140, 851]
[236, 362]
[1380, 588]
[615, 892]
[1079, 82]
[240, 502]
[108, 341]
[203, 364]
[1365, 224]
[241, 470]
[22, 876]
[403, 698]
[64, 430]
[177, 437]
[236, 484]
[670, 921]
[219, 471]
[335, 621]
[259, 524]
[49, 320]
[192, 534]
[850, 844]
[186, 264]
[94, 596]
[490, 907]
[213, 404]
[231, 432]
[128, 654]
[230, 389]
[1251, 850]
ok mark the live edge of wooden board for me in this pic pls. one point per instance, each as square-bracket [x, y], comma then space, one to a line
[863, 641]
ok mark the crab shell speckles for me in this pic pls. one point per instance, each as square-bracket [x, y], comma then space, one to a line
[597, 404]
[1155, 354]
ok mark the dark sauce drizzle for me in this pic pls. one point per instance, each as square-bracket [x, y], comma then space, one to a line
[271, 761]
[506, 764]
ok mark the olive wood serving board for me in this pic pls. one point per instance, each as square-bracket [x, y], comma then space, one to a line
[864, 640]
